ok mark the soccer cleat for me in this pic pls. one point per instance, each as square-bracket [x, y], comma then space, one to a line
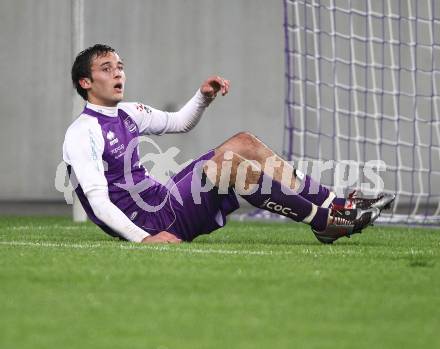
[346, 222]
[382, 202]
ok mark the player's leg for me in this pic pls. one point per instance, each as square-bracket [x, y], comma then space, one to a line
[250, 147]
[247, 144]
[233, 169]
[245, 160]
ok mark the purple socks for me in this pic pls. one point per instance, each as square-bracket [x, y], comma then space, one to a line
[277, 198]
[317, 193]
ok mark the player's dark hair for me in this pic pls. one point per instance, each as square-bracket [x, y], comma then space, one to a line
[81, 68]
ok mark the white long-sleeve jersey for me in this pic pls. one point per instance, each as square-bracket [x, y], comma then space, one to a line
[88, 141]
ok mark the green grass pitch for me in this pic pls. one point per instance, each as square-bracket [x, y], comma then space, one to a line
[249, 285]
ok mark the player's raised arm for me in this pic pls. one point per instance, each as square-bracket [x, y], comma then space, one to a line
[158, 122]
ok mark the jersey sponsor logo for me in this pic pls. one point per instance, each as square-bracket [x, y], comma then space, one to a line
[130, 125]
[280, 209]
[118, 149]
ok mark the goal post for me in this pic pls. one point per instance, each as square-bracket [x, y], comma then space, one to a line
[362, 84]
[77, 37]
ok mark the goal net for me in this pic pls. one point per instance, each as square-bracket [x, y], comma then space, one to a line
[362, 85]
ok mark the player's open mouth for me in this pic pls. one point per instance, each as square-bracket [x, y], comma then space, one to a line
[118, 87]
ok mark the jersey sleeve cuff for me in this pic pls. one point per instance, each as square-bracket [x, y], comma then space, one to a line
[202, 99]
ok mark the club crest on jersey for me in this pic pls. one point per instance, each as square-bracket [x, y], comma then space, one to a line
[112, 138]
[130, 125]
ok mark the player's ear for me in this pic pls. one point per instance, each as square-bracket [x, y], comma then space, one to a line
[85, 83]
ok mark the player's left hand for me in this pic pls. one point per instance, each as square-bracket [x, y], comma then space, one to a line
[162, 237]
[213, 85]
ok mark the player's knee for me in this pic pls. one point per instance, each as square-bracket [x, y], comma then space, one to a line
[245, 136]
[247, 144]
[244, 144]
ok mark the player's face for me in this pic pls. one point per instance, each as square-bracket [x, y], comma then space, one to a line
[108, 79]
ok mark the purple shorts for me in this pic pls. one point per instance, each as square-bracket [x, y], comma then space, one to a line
[182, 214]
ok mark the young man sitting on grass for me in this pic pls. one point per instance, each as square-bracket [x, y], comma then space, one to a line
[118, 194]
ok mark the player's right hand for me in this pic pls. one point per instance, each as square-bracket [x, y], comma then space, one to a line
[162, 238]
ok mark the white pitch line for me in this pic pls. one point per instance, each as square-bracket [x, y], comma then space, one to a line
[43, 227]
[142, 247]
[323, 251]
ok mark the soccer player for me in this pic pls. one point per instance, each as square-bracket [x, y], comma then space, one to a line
[118, 194]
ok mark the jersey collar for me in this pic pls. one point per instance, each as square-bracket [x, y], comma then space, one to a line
[107, 111]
